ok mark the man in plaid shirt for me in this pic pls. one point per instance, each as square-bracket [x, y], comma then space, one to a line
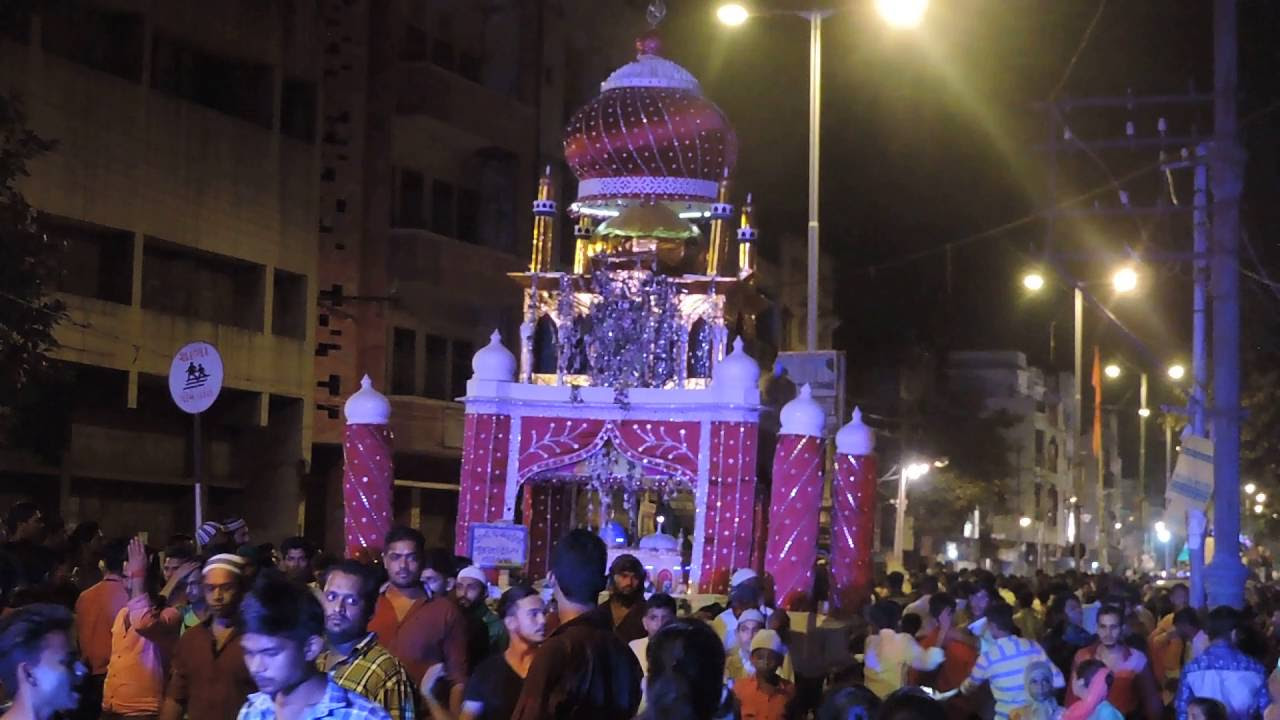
[283, 626]
[353, 657]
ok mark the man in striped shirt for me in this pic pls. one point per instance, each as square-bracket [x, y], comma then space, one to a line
[1004, 661]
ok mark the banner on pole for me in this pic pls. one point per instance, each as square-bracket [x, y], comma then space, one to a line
[1191, 485]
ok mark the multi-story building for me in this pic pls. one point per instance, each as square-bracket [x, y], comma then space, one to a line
[1041, 496]
[184, 186]
[438, 119]
[322, 190]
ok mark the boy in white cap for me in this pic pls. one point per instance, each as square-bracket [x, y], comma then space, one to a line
[208, 679]
[765, 695]
[486, 634]
[738, 663]
[746, 592]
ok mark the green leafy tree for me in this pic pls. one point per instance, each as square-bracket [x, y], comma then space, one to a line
[955, 426]
[29, 271]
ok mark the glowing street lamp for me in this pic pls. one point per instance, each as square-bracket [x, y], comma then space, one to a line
[1144, 412]
[732, 14]
[909, 472]
[897, 13]
[1257, 509]
[1177, 372]
[1112, 371]
[1250, 488]
[1033, 281]
[1024, 521]
[1125, 280]
[1162, 532]
[902, 13]
[1260, 497]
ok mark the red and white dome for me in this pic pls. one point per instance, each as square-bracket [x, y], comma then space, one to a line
[651, 135]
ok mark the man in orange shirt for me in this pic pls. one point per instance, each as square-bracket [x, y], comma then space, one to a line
[765, 695]
[417, 630]
[1133, 691]
[96, 611]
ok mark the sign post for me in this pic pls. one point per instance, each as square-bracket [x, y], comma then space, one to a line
[195, 379]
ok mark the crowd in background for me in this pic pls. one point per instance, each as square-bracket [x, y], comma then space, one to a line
[220, 626]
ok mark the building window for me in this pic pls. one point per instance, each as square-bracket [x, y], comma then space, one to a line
[95, 37]
[415, 44]
[442, 210]
[436, 383]
[298, 110]
[409, 210]
[98, 262]
[238, 88]
[470, 66]
[442, 54]
[468, 215]
[461, 368]
[403, 361]
[289, 304]
[191, 283]
[1040, 449]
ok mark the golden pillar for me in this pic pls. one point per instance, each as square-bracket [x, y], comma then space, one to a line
[747, 237]
[584, 250]
[721, 213]
[544, 226]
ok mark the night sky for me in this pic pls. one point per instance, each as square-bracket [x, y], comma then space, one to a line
[931, 141]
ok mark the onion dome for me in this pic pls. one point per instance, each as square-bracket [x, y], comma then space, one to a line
[803, 415]
[367, 406]
[855, 438]
[494, 361]
[737, 371]
[649, 134]
[659, 541]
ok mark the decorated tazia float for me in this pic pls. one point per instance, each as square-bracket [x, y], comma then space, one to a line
[629, 407]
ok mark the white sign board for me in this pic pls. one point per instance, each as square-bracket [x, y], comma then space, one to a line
[1191, 486]
[195, 377]
[499, 545]
[824, 372]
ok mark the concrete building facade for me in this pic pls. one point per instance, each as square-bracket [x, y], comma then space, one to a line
[184, 188]
[1040, 488]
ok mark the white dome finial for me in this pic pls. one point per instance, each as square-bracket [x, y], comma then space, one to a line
[737, 370]
[856, 438]
[803, 415]
[367, 406]
[494, 361]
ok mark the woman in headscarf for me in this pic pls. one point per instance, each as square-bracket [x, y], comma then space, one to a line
[1039, 683]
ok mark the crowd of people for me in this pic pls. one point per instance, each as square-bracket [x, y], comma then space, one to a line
[216, 627]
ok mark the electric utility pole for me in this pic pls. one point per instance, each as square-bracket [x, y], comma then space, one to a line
[1225, 575]
[1132, 141]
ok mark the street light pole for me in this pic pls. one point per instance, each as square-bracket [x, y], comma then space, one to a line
[1142, 452]
[901, 518]
[815, 18]
[1101, 521]
[897, 13]
[1077, 471]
